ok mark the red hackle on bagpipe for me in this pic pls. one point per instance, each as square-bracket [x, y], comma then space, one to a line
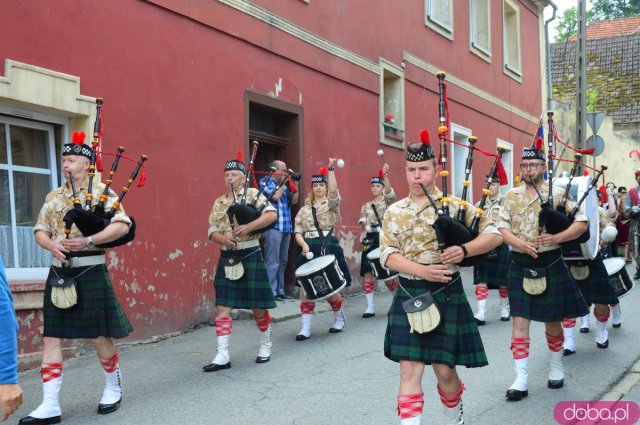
[93, 220]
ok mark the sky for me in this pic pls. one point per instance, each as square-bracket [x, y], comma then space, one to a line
[562, 5]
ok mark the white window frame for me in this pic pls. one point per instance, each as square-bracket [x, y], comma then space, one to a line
[387, 67]
[432, 21]
[457, 160]
[512, 69]
[484, 52]
[507, 162]
[47, 124]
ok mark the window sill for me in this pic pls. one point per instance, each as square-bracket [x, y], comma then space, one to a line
[27, 295]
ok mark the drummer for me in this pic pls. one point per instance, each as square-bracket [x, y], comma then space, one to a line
[371, 215]
[314, 233]
[593, 281]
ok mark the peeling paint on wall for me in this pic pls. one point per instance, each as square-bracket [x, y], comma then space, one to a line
[174, 255]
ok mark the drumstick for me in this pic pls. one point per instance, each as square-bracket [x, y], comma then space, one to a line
[381, 155]
[309, 255]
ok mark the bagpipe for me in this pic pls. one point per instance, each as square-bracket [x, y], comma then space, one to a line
[451, 231]
[93, 219]
[241, 212]
[557, 219]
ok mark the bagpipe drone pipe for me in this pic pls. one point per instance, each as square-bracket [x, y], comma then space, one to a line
[93, 219]
[243, 212]
[451, 231]
[557, 219]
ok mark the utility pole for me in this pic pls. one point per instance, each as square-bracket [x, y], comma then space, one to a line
[581, 75]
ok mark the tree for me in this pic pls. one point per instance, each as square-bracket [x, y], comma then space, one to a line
[600, 10]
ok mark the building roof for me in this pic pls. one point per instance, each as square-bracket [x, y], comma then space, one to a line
[611, 28]
[613, 75]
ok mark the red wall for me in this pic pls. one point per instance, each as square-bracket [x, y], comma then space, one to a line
[173, 87]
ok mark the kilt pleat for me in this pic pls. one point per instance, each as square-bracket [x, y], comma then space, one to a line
[365, 266]
[562, 298]
[493, 272]
[252, 290]
[456, 341]
[333, 248]
[97, 313]
[596, 288]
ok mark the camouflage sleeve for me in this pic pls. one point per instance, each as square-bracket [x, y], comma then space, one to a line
[215, 217]
[297, 223]
[390, 198]
[41, 223]
[334, 204]
[120, 216]
[504, 216]
[363, 213]
[262, 200]
[486, 224]
[389, 243]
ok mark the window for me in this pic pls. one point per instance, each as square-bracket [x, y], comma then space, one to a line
[511, 41]
[507, 162]
[480, 28]
[439, 16]
[391, 104]
[27, 173]
[458, 161]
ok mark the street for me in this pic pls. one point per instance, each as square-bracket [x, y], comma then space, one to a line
[338, 379]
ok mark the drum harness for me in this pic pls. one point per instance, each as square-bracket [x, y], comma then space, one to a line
[321, 235]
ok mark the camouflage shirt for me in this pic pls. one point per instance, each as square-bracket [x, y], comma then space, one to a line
[327, 212]
[492, 206]
[407, 229]
[366, 212]
[60, 200]
[519, 211]
[219, 220]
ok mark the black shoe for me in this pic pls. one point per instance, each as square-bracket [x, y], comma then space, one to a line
[104, 409]
[568, 352]
[636, 276]
[212, 367]
[617, 325]
[603, 345]
[278, 298]
[334, 330]
[368, 315]
[516, 395]
[40, 421]
[301, 337]
[287, 297]
[554, 384]
[480, 322]
[263, 359]
[584, 330]
[505, 319]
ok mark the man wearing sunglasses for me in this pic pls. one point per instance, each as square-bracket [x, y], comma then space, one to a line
[540, 286]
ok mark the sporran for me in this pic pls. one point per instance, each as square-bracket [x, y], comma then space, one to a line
[534, 280]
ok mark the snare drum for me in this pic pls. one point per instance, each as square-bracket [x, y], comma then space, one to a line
[378, 271]
[618, 276]
[321, 277]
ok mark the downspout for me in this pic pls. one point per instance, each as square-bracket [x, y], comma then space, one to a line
[547, 46]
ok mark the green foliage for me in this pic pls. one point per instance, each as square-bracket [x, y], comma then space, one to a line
[592, 100]
[600, 10]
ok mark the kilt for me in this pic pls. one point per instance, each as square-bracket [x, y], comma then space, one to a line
[493, 272]
[97, 313]
[596, 288]
[365, 266]
[456, 341]
[252, 290]
[333, 247]
[562, 299]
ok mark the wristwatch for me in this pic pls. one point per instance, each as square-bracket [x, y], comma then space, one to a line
[90, 243]
[464, 251]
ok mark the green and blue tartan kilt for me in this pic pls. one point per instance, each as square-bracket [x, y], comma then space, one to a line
[365, 266]
[456, 341]
[562, 298]
[333, 248]
[97, 313]
[596, 288]
[493, 271]
[252, 290]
